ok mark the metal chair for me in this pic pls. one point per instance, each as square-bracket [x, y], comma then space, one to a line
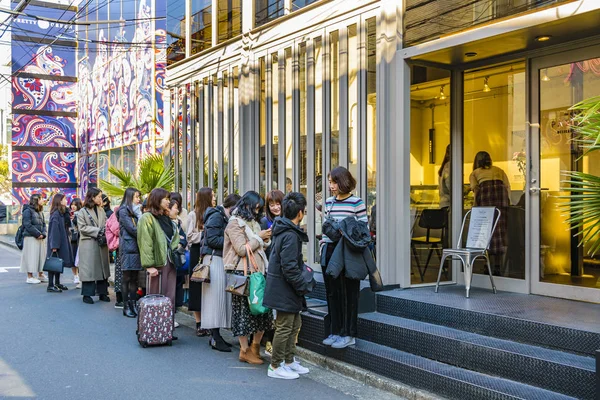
[478, 243]
[429, 219]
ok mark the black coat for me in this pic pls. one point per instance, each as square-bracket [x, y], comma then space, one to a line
[286, 286]
[352, 255]
[34, 224]
[58, 238]
[215, 222]
[128, 247]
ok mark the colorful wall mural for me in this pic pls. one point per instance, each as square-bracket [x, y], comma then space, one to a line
[44, 102]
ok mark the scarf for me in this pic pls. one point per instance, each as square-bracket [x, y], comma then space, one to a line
[166, 225]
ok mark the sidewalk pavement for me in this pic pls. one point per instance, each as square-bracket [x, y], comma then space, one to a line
[8, 240]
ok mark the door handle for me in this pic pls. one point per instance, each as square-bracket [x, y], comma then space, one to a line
[536, 189]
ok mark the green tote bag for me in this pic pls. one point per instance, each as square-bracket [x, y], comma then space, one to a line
[257, 284]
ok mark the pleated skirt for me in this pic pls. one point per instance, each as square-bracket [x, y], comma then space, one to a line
[216, 302]
[33, 255]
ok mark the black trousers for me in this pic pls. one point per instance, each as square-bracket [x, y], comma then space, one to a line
[342, 300]
[53, 279]
[93, 288]
[129, 285]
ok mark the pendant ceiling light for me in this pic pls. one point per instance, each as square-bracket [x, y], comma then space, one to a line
[442, 95]
[486, 87]
[545, 77]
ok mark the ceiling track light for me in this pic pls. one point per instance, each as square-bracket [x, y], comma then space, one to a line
[545, 77]
[442, 95]
[486, 87]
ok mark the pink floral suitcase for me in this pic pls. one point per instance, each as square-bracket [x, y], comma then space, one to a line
[155, 320]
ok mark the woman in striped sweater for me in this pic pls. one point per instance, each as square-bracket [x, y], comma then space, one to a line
[342, 293]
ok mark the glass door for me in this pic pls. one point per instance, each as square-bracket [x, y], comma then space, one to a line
[560, 266]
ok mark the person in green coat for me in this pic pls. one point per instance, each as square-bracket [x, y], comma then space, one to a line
[155, 233]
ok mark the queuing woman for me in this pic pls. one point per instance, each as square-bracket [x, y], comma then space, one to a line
[59, 244]
[205, 198]
[272, 211]
[216, 303]
[155, 233]
[94, 267]
[34, 242]
[131, 263]
[74, 207]
[342, 293]
[179, 217]
[243, 228]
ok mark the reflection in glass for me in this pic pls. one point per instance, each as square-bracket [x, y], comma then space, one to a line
[275, 116]
[175, 31]
[335, 98]
[302, 105]
[289, 121]
[495, 161]
[562, 261]
[298, 4]
[236, 131]
[268, 10]
[319, 194]
[216, 185]
[227, 120]
[201, 25]
[207, 133]
[371, 113]
[429, 139]
[263, 127]
[229, 19]
[353, 64]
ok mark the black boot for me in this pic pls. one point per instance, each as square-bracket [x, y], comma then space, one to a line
[133, 307]
[127, 309]
[217, 342]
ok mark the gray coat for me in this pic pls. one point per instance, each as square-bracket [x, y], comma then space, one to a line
[93, 259]
[128, 247]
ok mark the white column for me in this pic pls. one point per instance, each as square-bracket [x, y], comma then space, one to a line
[215, 22]
[248, 12]
[287, 7]
[393, 149]
[188, 28]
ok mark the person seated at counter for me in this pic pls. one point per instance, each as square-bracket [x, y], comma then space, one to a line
[492, 189]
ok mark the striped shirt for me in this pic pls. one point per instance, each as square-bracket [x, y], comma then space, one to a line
[338, 210]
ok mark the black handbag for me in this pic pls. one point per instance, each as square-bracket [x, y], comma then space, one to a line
[309, 277]
[101, 238]
[331, 227]
[54, 263]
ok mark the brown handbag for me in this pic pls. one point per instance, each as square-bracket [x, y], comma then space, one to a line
[201, 272]
[238, 285]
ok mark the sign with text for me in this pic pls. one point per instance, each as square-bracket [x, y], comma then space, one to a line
[480, 227]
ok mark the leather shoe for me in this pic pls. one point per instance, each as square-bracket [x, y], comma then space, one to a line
[174, 338]
[127, 309]
[62, 287]
[219, 345]
[104, 297]
[88, 300]
[53, 289]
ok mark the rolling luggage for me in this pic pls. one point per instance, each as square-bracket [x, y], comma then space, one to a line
[155, 318]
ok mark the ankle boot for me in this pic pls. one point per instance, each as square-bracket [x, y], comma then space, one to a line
[255, 349]
[249, 357]
[127, 306]
[133, 307]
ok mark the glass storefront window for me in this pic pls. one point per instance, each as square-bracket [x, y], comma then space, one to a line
[229, 19]
[201, 25]
[318, 156]
[214, 168]
[302, 112]
[298, 4]
[334, 74]
[236, 130]
[207, 133]
[268, 10]
[263, 126]
[495, 160]
[430, 178]
[371, 113]
[275, 116]
[226, 122]
[353, 132]
[289, 121]
[175, 31]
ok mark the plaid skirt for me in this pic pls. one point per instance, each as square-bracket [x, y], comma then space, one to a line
[494, 194]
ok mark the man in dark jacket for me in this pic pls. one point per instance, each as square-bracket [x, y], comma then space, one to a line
[286, 287]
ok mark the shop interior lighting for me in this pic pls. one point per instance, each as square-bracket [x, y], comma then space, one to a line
[545, 77]
[543, 38]
[471, 54]
[486, 87]
[442, 95]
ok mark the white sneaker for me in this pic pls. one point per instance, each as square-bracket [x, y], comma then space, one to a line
[331, 339]
[78, 286]
[76, 279]
[296, 367]
[176, 325]
[43, 278]
[281, 373]
[344, 342]
[33, 280]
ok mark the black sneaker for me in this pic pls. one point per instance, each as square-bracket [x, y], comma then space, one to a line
[119, 304]
[62, 287]
[88, 300]
[53, 289]
[104, 297]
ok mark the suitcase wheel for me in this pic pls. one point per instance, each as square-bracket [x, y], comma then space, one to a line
[170, 343]
[143, 344]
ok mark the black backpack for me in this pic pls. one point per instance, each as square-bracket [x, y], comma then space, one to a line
[20, 237]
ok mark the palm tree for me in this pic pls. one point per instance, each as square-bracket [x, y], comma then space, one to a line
[152, 173]
[584, 201]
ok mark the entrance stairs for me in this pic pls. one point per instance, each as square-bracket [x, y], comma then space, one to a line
[504, 346]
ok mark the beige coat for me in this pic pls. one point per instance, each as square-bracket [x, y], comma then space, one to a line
[93, 259]
[237, 233]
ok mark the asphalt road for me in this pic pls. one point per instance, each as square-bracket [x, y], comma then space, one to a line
[53, 346]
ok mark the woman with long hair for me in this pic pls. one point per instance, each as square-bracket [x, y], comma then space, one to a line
[216, 303]
[59, 244]
[180, 218]
[33, 255]
[244, 229]
[129, 251]
[157, 236]
[342, 293]
[74, 208]
[444, 186]
[94, 266]
[194, 227]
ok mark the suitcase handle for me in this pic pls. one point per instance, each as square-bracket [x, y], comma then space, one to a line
[159, 282]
